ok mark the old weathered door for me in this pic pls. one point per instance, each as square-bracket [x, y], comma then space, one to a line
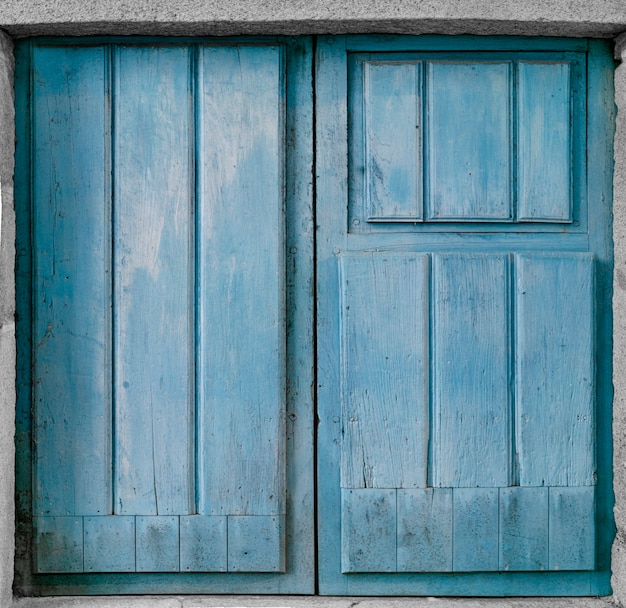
[463, 273]
[165, 317]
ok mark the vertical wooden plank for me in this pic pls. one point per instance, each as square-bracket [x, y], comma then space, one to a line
[241, 289]
[368, 530]
[71, 295]
[572, 528]
[555, 369]
[109, 544]
[475, 540]
[153, 282]
[384, 362]
[544, 185]
[157, 544]
[58, 544]
[471, 443]
[469, 141]
[393, 155]
[256, 543]
[203, 543]
[425, 530]
[523, 528]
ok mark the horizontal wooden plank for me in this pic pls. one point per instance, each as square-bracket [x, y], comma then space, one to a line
[157, 545]
[368, 530]
[58, 544]
[109, 544]
[425, 526]
[256, 543]
[203, 542]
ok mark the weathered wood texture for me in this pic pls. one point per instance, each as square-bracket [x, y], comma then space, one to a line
[160, 307]
[384, 371]
[71, 289]
[241, 287]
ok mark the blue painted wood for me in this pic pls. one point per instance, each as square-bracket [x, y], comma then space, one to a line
[469, 140]
[471, 427]
[425, 518]
[256, 543]
[153, 303]
[203, 543]
[58, 544]
[544, 184]
[475, 537]
[157, 543]
[384, 352]
[241, 287]
[392, 116]
[368, 530]
[572, 528]
[109, 543]
[555, 369]
[71, 344]
[523, 528]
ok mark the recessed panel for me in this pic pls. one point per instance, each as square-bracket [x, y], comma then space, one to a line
[469, 141]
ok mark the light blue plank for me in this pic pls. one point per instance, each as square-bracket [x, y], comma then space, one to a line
[241, 358]
[71, 308]
[203, 544]
[523, 528]
[154, 309]
[393, 154]
[157, 544]
[544, 187]
[469, 140]
[572, 528]
[58, 544]
[368, 530]
[555, 369]
[109, 544]
[384, 353]
[256, 543]
[425, 530]
[471, 444]
[475, 540]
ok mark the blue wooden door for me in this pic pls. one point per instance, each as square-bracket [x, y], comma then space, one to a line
[165, 343]
[463, 272]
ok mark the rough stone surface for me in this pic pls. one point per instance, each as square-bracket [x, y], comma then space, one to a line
[227, 601]
[7, 325]
[221, 17]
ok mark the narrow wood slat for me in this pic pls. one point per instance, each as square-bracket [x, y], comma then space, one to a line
[384, 357]
[203, 542]
[70, 293]
[572, 528]
[471, 444]
[154, 282]
[425, 520]
[368, 530]
[475, 539]
[241, 321]
[544, 135]
[555, 373]
[109, 543]
[157, 545]
[256, 543]
[393, 155]
[469, 140]
[523, 528]
[58, 544]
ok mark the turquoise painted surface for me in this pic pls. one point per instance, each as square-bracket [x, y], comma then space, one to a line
[138, 200]
[498, 226]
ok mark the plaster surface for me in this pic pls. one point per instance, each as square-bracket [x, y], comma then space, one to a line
[7, 325]
[189, 17]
